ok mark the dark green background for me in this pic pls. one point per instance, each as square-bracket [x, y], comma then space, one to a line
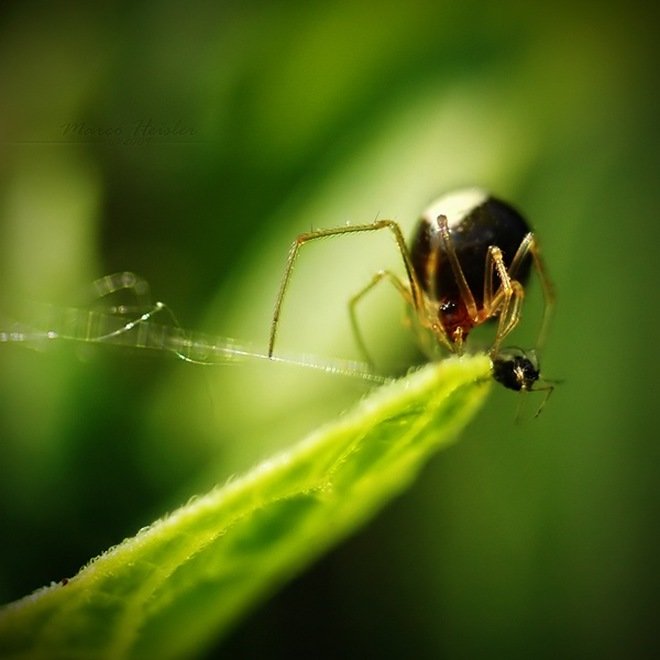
[525, 540]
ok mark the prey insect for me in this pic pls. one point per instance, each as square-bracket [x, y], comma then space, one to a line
[519, 370]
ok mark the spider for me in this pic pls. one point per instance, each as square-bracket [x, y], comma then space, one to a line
[467, 263]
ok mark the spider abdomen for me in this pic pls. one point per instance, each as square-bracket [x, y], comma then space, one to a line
[476, 221]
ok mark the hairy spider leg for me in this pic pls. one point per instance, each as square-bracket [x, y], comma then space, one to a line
[415, 292]
[352, 306]
[529, 245]
[463, 287]
[464, 290]
[506, 302]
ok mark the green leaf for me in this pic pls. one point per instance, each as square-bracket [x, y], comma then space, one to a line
[176, 586]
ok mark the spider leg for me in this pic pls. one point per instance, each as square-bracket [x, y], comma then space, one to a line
[415, 291]
[530, 246]
[459, 276]
[352, 306]
[506, 303]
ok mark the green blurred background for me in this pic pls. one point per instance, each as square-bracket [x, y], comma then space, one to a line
[524, 540]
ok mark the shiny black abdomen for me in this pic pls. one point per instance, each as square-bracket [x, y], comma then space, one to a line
[491, 222]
